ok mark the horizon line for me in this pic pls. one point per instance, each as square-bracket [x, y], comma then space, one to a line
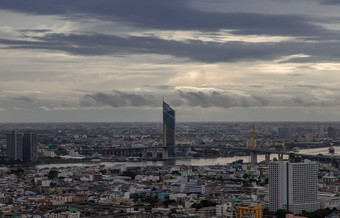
[36, 122]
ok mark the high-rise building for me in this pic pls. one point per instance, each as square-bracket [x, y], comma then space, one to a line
[283, 133]
[169, 128]
[331, 133]
[29, 147]
[293, 186]
[322, 130]
[22, 147]
[14, 146]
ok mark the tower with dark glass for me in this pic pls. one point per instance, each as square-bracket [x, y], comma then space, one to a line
[14, 146]
[22, 147]
[169, 128]
[29, 147]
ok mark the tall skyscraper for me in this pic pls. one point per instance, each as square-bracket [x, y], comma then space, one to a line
[283, 133]
[14, 146]
[293, 186]
[22, 147]
[169, 128]
[29, 146]
[331, 133]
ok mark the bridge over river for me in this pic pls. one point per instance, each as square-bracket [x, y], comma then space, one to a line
[161, 152]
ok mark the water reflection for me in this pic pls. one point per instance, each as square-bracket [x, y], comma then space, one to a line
[189, 162]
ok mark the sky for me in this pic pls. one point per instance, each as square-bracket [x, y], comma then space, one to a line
[211, 60]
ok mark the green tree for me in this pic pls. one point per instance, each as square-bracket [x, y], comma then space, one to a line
[203, 203]
[281, 213]
[321, 213]
[52, 174]
[152, 201]
[266, 181]
[197, 206]
[167, 202]
[130, 174]
[17, 172]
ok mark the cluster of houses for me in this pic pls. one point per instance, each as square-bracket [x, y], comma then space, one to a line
[236, 190]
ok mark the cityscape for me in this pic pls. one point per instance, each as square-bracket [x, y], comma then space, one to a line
[170, 109]
[170, 169]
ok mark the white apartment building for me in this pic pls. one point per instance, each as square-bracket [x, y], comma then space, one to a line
[188, 187]
[226, 210]
[293, 186]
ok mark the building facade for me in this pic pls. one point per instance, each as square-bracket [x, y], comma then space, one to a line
[21, 147]
[283, 133]
[29, 146]
[293, 186]
[14, 146]
[250, 212]
[331, 133]
[188, 187]
[169, 128]
[226, 210]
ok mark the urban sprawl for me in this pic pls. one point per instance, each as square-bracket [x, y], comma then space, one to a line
[161, 170]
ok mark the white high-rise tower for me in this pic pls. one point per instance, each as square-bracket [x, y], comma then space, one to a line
[293, 186]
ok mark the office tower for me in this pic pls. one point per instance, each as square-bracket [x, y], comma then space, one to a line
[14, 146]
[322, 130]
[331, 133]
[169, 128]
[293, 186]
[29, 146]
[283, 133]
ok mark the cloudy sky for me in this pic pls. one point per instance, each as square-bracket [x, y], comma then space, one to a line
[216, 60]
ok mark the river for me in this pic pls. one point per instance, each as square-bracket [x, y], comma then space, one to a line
[188, 162]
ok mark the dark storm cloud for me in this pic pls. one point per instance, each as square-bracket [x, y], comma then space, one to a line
[113, 45]
[169, 15]
[118, 99]
[100, 44]
[310, 86]
[296, 74]
[325, 2]
[161, 87]
[24, 99]
[330, 2]
[321, 87]
[35, 30]
[201, 99]
[216, 99]
[301, 60]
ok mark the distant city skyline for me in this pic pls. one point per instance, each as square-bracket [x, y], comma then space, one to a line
[113, 61]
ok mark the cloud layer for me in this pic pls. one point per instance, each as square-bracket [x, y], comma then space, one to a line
[201, 99]
[118, 99]
[64, 57]
[195, 50]
[173, 15]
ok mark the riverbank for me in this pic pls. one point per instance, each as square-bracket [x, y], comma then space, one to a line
[173, 162]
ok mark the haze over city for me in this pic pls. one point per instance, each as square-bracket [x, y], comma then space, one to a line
[235, 60]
